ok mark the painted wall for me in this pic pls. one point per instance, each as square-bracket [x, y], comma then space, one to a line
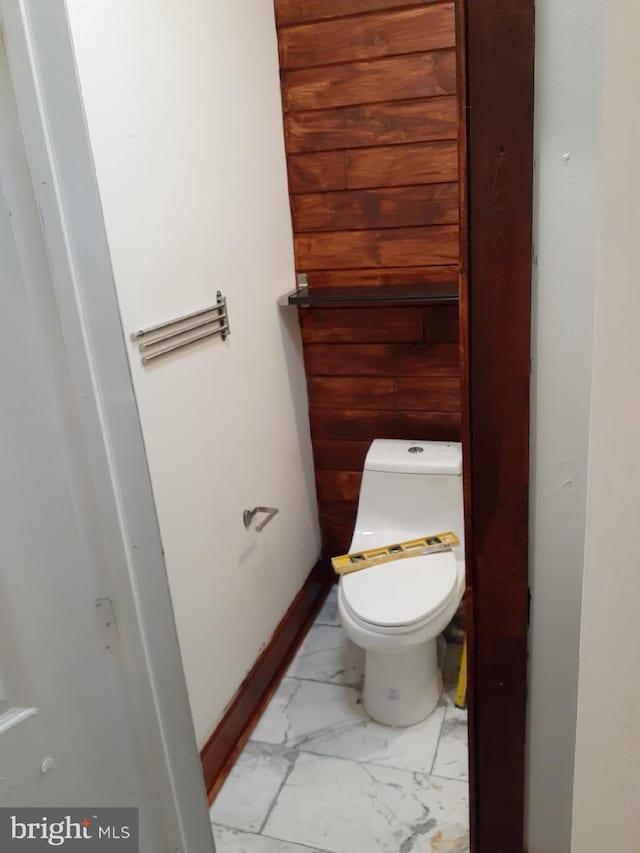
[606, 814]
[183, 110]
[567, 194]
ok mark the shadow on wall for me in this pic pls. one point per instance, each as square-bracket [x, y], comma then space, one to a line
[293, 356]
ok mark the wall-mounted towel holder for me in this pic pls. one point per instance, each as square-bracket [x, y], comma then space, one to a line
[249, 514]
[173, 335]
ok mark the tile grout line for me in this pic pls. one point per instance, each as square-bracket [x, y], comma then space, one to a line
[301, 751]
[330, 683]
[279, 791]
[294, 748]
[435, 754]
[295, 843]
[270, 837]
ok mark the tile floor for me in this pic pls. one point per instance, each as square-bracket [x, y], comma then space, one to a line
[318, 776]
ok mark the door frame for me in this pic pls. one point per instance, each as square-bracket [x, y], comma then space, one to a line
[108, 471]
[495, 341]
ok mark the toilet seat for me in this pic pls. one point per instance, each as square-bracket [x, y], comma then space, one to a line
[402, 595]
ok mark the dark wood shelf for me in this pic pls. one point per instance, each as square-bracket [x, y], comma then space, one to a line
[440, 293]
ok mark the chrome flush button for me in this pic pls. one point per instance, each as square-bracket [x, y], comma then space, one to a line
[416, 449]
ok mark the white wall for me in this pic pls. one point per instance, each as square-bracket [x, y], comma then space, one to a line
[606, 808]
[183, 111]
[567, 142]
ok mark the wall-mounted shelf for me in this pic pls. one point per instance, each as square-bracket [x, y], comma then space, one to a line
[440, 293]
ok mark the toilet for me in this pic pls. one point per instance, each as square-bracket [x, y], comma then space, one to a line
[395, 611]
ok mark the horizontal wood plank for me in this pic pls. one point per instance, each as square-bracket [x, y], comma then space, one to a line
[391, 207]
[419, 75]
[390, 123]
[338, 485]
[337, 522]
[377, 275]
[367, 424]
[316, 172]
[409, 394]
[357, 392]
[428, 393]
[381, 359]
[379, 34]
[336, 455]
[441, 323]
[434, 245]
[304, 11]
[397, 165]
[361, 325]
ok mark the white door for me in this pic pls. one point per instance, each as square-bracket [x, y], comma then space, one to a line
[62, 737]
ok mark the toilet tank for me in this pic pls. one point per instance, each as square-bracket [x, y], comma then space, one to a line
[409, 489]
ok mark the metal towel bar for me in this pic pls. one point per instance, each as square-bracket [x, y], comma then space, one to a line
[163, 338]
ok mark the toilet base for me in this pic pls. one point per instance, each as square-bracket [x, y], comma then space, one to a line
[404, 687]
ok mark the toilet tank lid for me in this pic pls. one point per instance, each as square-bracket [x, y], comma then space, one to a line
[414, 457]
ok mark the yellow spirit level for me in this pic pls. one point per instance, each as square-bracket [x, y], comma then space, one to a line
[461, 690]
[347, 563]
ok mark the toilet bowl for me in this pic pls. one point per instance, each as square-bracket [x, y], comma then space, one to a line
[395, 611]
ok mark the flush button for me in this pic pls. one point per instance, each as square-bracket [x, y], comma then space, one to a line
[416, 449]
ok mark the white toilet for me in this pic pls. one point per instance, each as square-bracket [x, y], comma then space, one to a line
[396, 611]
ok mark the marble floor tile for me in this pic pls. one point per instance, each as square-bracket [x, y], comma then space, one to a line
[412, 748]
[328, 615]
[328, 655]
[234, 841]
[452, 757]
[251, 787]
[346, 807]
[300, 710]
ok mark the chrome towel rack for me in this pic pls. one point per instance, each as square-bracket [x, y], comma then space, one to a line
[164, 338]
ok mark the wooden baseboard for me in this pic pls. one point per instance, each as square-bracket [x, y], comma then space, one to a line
[225, 744]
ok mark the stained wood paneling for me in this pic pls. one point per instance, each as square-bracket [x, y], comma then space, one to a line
[419, 75]
[383, 275]
[389, 123]
[367, 424]
[339, 455]
[405, 165]
[303, 11]
[381, 359]
[361, 325]
[435, 245]
[380, 34]
[441, 323]
[428, 393]
[500, 115]
[394, 207]
[334, 392]
[326, 170]
[371, 132]
[338, 485]
[337, 520]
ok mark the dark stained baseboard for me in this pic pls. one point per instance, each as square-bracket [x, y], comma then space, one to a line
[227, 741]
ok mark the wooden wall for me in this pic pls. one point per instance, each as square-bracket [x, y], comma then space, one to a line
[371, 133]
